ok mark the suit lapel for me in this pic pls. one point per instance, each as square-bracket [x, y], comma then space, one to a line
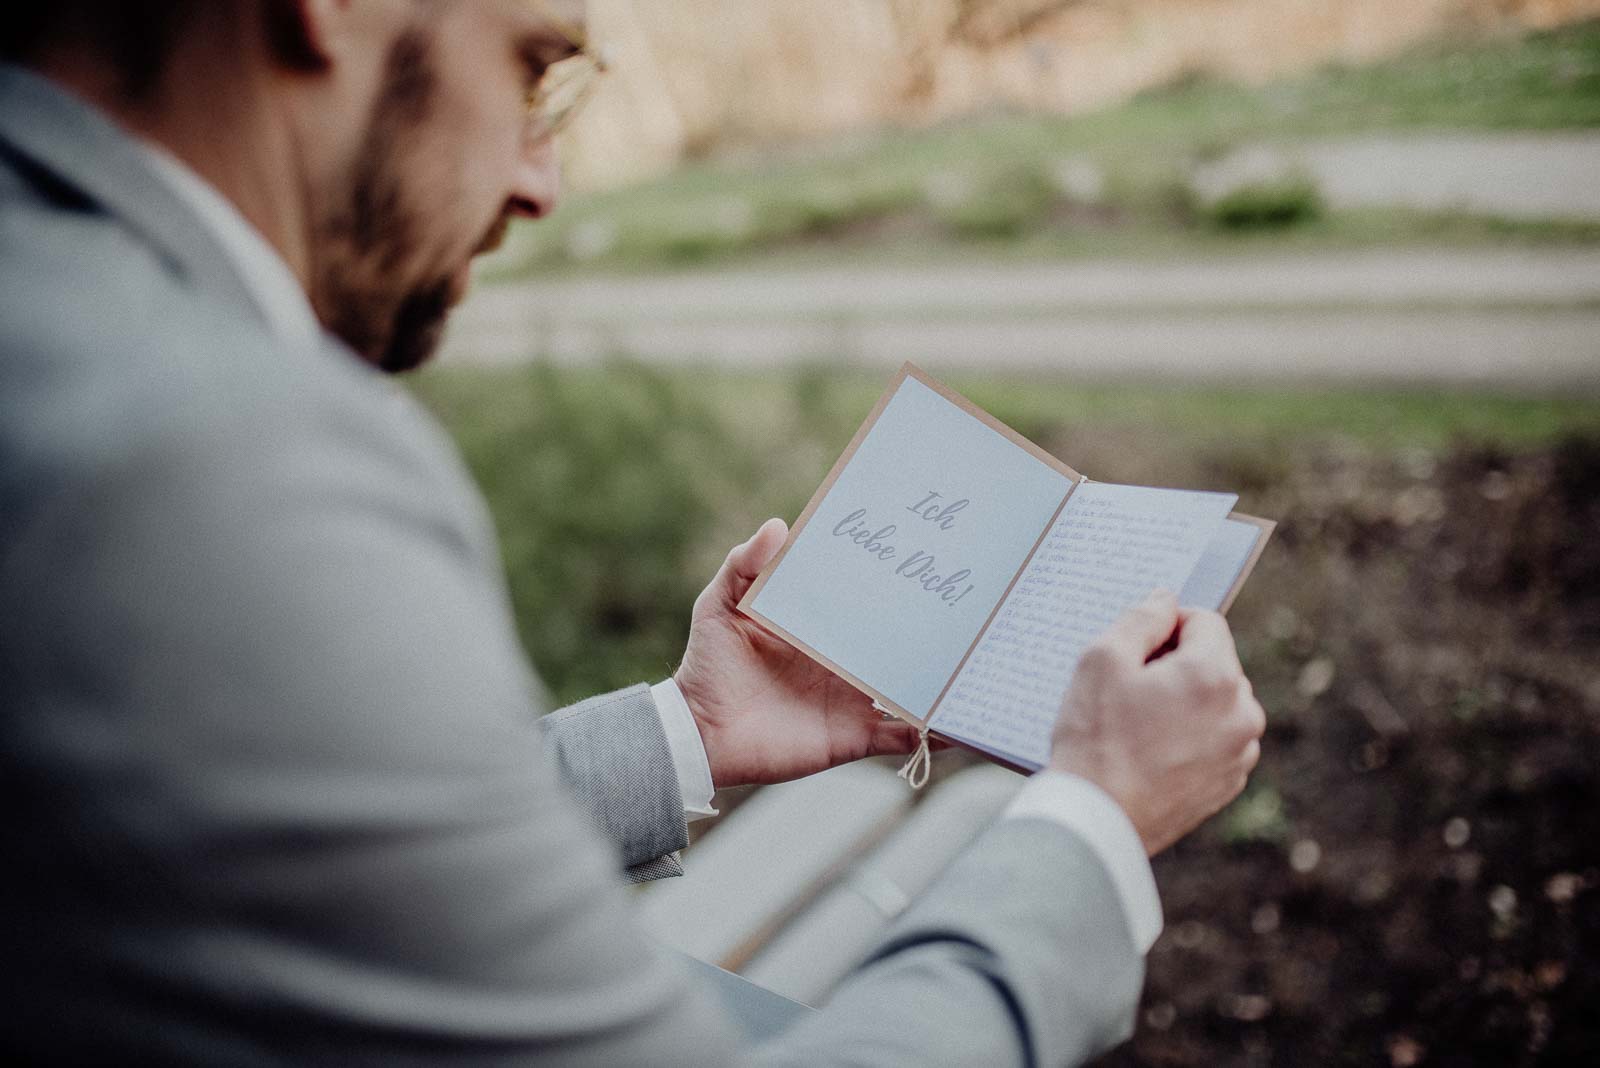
[74, 145]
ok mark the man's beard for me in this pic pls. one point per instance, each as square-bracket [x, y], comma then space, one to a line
[362, 246]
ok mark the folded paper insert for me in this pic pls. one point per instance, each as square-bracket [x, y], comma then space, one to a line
[954, 571]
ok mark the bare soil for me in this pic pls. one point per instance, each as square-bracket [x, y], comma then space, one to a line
[1413, 877]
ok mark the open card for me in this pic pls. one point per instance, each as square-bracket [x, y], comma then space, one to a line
[955, 571]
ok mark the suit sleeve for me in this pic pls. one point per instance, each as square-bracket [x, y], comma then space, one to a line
[266, 647]
[1018, 955]
[614, 758]
[336, 832]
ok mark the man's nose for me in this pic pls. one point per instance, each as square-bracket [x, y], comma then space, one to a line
[538, 181]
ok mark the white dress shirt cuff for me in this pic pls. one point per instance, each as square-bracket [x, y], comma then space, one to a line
[688, 752]
[1090, 813]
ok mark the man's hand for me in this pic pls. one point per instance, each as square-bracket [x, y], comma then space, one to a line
[1172, 739]
[766, 711]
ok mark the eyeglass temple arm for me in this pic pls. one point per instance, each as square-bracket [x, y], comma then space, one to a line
[572, 31]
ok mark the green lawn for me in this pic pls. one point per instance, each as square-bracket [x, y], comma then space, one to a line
[616, 490]
[998, 182]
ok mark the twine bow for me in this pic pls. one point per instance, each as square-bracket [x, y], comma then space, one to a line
[919, 764]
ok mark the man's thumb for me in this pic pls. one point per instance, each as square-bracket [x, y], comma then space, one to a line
[1145, 628]
[747, 560]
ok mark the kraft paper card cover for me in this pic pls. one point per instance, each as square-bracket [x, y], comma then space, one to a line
[955, 571]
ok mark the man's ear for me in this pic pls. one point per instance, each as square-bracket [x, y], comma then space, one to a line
[303, 34]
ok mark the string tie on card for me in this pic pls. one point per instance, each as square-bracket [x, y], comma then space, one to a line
[918, 765]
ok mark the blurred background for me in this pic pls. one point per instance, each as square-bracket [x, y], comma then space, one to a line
[1343, 258]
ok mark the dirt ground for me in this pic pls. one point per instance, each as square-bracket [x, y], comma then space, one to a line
[1413, 876]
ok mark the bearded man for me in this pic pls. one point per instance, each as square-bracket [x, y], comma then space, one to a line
[276, 786]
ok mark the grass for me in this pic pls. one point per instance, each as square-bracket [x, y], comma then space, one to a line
[617, 489]
[1107, 181]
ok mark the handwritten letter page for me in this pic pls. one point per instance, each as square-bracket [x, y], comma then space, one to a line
[906, 555]
[1107, 550]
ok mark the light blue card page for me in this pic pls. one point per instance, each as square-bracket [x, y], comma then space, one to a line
[895, 570]
[1220, 565]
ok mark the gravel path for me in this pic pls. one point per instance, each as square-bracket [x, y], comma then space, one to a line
[1505, 318]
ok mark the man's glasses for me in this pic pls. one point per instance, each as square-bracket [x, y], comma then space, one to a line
[566, 85]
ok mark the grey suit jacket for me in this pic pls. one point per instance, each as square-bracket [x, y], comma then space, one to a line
[274, 788]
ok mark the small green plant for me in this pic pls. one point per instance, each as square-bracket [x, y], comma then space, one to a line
[1256, 816]
[1271, 205]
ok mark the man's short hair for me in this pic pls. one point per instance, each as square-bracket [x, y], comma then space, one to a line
[133, 37]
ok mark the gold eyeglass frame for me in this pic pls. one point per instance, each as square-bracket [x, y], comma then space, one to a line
[567, 84]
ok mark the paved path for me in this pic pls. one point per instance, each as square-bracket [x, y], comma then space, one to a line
[1512, 318]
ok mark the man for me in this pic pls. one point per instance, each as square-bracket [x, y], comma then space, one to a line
[275, 785]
